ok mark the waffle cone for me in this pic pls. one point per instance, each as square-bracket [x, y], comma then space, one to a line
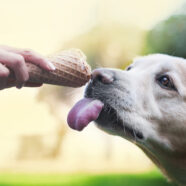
[72, 70]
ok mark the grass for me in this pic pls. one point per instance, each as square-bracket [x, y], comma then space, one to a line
[146, 179]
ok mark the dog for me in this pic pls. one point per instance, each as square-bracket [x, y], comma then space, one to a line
[145, 104]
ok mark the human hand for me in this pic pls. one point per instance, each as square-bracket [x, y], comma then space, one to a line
[15, 59]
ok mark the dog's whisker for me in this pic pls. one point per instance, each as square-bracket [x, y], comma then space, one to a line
[135, 137]
[124, 129]
[109, 110]
[117, 117]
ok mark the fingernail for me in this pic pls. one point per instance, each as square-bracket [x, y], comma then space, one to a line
[19, 86]
[51, 66]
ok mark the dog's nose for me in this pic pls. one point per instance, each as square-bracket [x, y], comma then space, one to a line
[102, 75]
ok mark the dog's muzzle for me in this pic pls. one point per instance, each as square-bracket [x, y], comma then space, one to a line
[88, 109]
[104, 76]
[101, 104]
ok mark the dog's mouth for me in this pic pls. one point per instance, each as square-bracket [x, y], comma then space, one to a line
[87, 110]
[109, 119]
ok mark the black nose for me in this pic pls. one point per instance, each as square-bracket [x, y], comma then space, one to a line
[102, 75]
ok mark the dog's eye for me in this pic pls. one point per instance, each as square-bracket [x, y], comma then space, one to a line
[166, 82]
[129, 68]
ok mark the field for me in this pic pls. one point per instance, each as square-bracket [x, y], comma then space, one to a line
[146, 179]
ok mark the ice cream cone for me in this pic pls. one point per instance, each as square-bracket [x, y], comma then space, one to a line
[72, 70]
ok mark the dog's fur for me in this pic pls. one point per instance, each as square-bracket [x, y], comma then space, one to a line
[138, 108]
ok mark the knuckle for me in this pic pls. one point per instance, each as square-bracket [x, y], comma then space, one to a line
[4, 73]
[19, 61]
[23, 79]
[26, 78]
[28, 52]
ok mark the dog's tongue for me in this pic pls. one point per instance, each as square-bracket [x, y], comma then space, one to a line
[83, 112]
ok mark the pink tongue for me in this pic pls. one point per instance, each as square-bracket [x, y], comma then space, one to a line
[83, 112]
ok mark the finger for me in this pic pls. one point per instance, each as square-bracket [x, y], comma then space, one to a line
[15, 62]
[36, 58]
[4, 73]
[32, 57]
[14, 83]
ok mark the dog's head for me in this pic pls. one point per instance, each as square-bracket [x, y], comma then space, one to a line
[146, 104]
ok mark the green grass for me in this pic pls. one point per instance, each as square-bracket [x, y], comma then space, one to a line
[146, 179]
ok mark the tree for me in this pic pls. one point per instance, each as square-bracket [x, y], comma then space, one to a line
[110, 45]
[168, 37]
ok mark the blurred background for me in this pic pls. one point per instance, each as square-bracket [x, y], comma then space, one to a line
[34, 137]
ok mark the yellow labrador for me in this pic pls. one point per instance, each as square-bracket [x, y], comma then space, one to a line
[145, 104]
